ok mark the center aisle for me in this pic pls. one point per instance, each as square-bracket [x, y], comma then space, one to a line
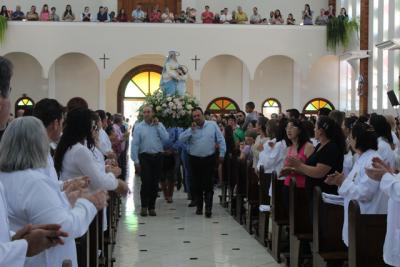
[177, 237]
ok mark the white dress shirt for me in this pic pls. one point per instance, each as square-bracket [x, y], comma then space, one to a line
[348, 163]
[273, 156]
[12, 253]
[390, 184]
[386, 153]
[105, 145]
[31, 199]
[80, 161]
[360, 187]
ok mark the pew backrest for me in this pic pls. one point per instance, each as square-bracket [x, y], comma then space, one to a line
[299, 210]
[327, 225]
[279, 214]
[366, 237]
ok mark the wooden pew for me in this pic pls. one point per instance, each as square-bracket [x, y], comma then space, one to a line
[226, 174]
[233, 179]
[252, 199]
[94, 242]
[328, 246]
[280, 219]
[366, 237]
[110, 233]
[299, 223]
[82, 250]
[263, 216]
[240, 191]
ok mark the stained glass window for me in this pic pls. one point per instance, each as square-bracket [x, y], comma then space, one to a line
[24, 103]
[271, 106]
[314, 105]
[143, 84]
[223, 105]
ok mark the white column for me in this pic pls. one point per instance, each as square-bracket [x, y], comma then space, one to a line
[51, 79]
[102, 90]
[245, 86]
[197, 90]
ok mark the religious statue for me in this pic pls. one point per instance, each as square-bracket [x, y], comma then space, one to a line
[174, 76]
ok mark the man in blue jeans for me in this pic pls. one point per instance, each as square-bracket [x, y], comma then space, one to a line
[203, 138]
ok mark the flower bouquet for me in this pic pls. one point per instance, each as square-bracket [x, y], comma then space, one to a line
[171, 110]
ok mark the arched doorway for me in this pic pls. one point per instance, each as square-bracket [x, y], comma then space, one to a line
[24, 106]
[135, 86]
[223, 105]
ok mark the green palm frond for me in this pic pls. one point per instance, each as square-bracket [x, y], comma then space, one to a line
[339, 32]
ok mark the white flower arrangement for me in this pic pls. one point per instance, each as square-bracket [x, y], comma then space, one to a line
[172, 111]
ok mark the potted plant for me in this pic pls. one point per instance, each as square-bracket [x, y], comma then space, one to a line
[3, 28]
[339, 32]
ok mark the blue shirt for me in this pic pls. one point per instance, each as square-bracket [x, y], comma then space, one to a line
[138, 15]
[202, 140]
[148, 138]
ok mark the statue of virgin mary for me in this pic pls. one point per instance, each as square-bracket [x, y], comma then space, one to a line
[174, 76]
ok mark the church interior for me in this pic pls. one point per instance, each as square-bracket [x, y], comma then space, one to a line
[235, 53]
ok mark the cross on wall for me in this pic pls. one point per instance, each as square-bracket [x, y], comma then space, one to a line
[195, 59]
[104, 59]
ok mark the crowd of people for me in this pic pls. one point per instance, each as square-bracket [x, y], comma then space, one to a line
[57, 165]
[156, 15]
[354, 157]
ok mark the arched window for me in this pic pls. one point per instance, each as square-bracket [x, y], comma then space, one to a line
[24, 103]
[138, 83]
[223, 105]
[315, 104]
[271, 106]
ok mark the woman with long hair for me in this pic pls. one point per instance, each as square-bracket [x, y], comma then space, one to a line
[68, 14]
[76, 154]
[327, 158]
[4, 12]
[261, 139]
[300, 149]
[122, 17]
[45, 13]
[34, 198]
[357, 185]
[307, 15]
[385, 139]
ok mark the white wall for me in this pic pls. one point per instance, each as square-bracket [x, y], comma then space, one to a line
[27, 78]
[264, 7]
[77, 5]
[76, 75]
[273, 78]
[221, 77]
[323, 81]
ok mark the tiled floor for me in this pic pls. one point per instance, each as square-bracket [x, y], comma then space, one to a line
[177, 237]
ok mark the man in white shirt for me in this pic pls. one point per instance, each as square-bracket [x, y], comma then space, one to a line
[138, 14]
[225, 18]
[30, 240]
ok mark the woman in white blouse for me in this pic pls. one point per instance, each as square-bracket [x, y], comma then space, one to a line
[30, 195]
[76, 154]
[357, 185]
[385, 139]
[390, 184]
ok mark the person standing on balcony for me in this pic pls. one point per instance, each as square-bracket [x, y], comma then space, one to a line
[53, 15]
[256, 17]
[45, 14]
[138, 14]
[307, 15]
[241, 16]
[68, 14]
[86, 16]
[225, 18]
[207, 16]
[32, 15]
[18, 14]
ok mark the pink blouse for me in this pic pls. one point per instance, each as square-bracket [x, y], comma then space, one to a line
[300, 179]
[44, 16]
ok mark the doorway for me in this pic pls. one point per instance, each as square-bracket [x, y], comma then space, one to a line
[135, 86]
